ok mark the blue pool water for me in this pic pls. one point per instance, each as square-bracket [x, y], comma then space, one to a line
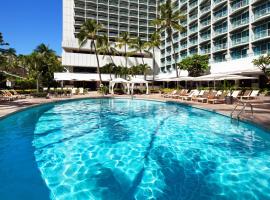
[131, 149]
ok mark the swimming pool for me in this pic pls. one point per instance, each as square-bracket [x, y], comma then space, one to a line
[131, 149]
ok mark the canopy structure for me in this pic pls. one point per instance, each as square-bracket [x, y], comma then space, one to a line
[78, 77]
[118, 80]
[134, 81]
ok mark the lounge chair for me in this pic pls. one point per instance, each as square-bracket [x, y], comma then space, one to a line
[191, 95]
[20, 96]
[204, 99]
[217, 99]
[81, 91]
[252, 95]
[74, 90]
[5, 95]
[246, 93]
[180, 93]
[167, 95]
[201, 98]
[235, 93]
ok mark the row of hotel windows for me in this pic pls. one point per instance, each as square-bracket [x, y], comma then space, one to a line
[237, 53]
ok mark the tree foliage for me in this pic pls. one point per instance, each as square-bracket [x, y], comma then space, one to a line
[196, 65]
[168, 21]
[263, 63]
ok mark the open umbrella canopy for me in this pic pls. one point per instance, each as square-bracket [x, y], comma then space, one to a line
[67, 76]
[119, 80]
[213, 77]
[138, 80]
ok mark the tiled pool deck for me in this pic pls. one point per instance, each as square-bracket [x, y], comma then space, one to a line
[261, 111]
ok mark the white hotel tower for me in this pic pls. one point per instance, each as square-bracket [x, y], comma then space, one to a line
[231, 32]
[116, 16]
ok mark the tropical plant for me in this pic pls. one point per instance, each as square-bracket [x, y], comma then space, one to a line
[138, 45]
[124, 41]
[144, 69]
[196, 65]
[106, 47]
[108, 68]
[153, 44]
[168, 21]
[87, 32]
[263, 63]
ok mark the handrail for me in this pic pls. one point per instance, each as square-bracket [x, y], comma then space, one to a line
[244, 104]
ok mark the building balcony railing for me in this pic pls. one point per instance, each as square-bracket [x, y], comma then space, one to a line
[205, 10]
[193, 4]
[262, 34]
[220, 15]
[184, 34]
[183, 47]
[241, 22]
[193, 17]
[205, 51]
[241, 40]
[216, 2]
[193, 29]
[220, 31]
[193, 42]
[205, 23]
[239, 4]
[260, 13]
[220, 46]
[205, 37]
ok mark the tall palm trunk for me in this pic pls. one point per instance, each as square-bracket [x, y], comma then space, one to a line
[175, 61]
[126, 58]
[142, 57]
[154, 67]
[98, 66]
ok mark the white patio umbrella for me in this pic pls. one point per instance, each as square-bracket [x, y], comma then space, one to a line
[133, 81]
[118, 80]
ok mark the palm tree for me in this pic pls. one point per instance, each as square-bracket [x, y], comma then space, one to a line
[44, 49]
[89, 32]
[263, 63]
[108, 68]
[124, 40]
[152, 44]
[168, 20]
[106, 47]
[139, 46]
[144, 69]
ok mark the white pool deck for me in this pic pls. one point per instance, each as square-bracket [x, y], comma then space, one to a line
[261, 115]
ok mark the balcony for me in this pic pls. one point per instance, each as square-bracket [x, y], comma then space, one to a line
[240, 23]
[239, 41]
[261, 13]
[193, 4]
[205, 51]
[220, 31]
[216, 2]
[205, 10]
[220, 15]
[193, 42]
[262, 34]
[239, 5]
[184, 34]
[184, 46]
[193, 17]
[221, 46]
[205, 37]
[193, 29]
[205, 23]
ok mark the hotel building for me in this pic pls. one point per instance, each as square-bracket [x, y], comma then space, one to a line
[231, 32]
[116, 17]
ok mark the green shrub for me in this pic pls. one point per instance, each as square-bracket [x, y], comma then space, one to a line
[23, 84]
[39, 94]
[29, 91]
[167, 90]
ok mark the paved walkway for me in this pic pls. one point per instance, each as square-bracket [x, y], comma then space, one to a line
[261, 111]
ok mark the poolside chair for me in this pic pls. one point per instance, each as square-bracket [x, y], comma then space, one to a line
[210, 95]
[180, 93]
[217, 99]
[246, 93]
[252, 95]
[81, 91]
[74, 90]
[201, 98]
[191, 95]
[167, 95]
[7, 96]
[235, 93]
[20, 96]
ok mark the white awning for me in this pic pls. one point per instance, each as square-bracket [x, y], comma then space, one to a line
[79, 77]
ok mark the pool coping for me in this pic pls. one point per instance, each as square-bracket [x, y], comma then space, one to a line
[56, 101]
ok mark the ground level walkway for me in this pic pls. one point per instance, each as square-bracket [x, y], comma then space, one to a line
[261, 111]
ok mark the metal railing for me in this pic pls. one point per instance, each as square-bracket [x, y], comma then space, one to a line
[244, 104]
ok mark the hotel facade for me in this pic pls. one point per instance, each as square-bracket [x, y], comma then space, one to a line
[116, 17]
[231, 32]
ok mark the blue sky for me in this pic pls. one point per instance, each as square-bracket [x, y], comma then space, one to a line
[27, 23]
